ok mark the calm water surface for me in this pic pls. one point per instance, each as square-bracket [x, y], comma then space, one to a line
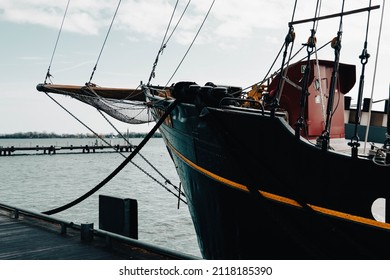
[44, 182]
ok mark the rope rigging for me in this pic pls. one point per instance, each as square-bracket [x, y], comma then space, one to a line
[192, 43]
[119, 168]
[373, 81]
[48, 75]
[104, 42]
[164, 43]
[354, 143]
[288, 39]
[310, 47]
[167, 181]
[162, 47]
[178, 22]
[336, 45]
[267, 76]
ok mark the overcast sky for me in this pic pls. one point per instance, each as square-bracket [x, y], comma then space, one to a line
[236, 46]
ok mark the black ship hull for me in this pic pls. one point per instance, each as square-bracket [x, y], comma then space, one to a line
[255, 191]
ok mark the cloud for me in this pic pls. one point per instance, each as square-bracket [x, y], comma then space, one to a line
[229, 21]
[32, 58]
[147, 19]
[78, 65]
[86, 16]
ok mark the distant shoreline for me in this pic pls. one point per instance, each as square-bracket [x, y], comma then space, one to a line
[45, 135]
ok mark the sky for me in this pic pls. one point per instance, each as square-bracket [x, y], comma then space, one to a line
[236, 46]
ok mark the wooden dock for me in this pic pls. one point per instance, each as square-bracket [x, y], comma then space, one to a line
[52, 149]
[26, 235]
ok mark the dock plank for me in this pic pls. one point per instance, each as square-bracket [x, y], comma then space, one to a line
[27, 239]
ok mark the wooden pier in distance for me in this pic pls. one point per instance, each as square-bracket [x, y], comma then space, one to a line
[27, 235]
[50, 150]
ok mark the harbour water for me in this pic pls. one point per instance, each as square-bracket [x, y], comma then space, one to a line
[44, 182]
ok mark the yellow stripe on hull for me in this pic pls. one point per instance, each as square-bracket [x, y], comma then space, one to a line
[279, 198]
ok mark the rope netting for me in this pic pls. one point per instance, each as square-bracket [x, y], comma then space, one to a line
[128, 111]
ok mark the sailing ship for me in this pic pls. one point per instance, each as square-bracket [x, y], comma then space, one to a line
[267, 171]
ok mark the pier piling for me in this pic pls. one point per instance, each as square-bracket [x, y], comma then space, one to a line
[86, 232]
[52, 150]
[118, 215]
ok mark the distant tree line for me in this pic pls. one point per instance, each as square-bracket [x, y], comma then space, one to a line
[40, 135]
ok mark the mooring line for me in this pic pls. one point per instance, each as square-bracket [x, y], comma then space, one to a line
[120, 167]
[167, 181]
